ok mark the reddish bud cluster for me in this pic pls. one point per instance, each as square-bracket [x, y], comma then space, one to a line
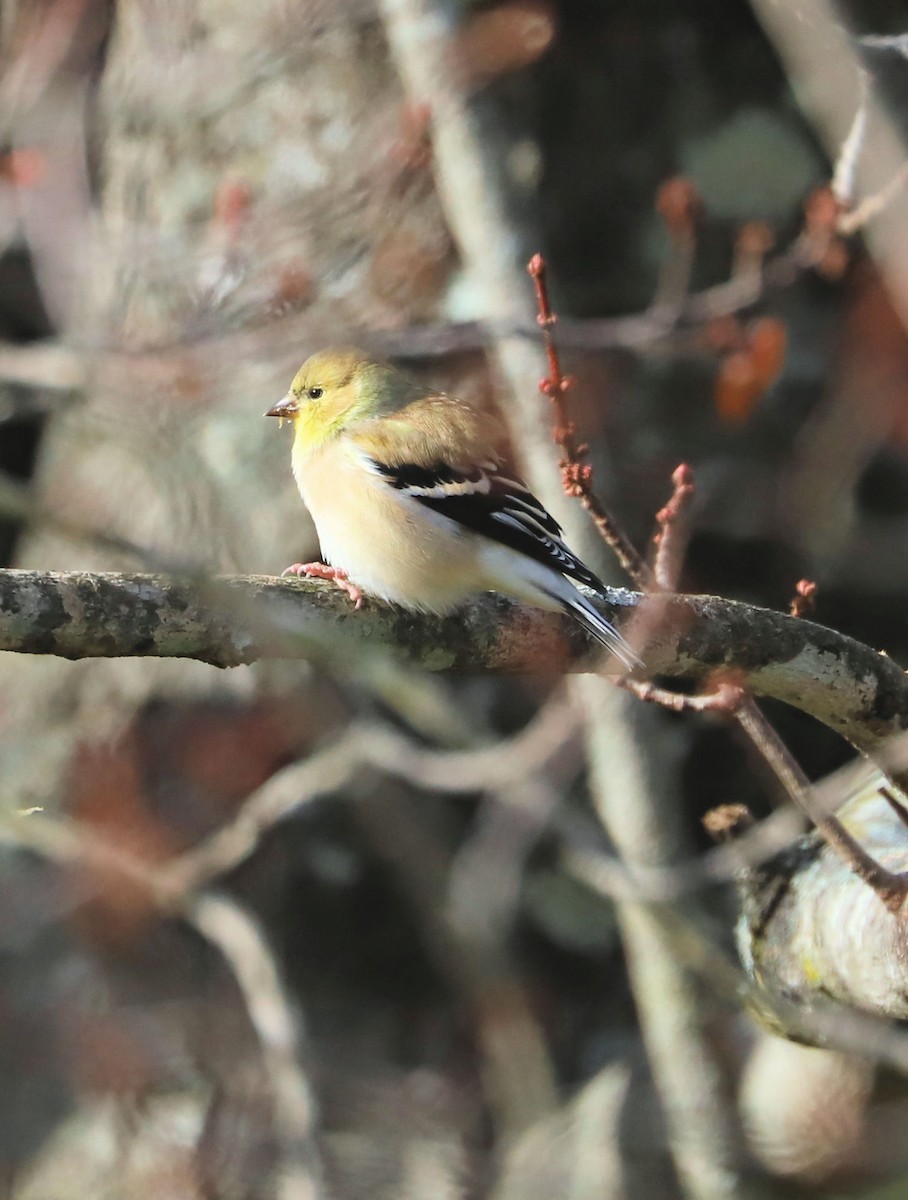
[577, 475]
[683, 490]
[576, 478]
[754, 364]
[804, 600]
[556, 387]
[673, 528]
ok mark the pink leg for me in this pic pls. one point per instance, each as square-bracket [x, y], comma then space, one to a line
[318, 570]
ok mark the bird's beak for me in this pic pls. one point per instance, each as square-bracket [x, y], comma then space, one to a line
[284, 408]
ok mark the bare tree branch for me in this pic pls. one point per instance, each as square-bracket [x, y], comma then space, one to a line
[229, 621]
[226, 925]
[239, 938]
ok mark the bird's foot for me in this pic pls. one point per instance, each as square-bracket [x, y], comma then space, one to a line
[320, 570]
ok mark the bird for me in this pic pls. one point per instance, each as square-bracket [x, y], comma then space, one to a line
[414, 502]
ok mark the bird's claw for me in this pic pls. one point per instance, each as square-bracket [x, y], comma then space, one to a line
[319, 570]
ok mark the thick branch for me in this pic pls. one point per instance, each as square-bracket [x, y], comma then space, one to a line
[811, 929]
[233, 620]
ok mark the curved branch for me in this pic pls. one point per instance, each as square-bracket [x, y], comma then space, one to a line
[812, 931]
[229, 621]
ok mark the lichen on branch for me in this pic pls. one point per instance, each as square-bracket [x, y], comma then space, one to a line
[232, 620]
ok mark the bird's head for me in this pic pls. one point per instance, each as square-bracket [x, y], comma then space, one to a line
[336, 389]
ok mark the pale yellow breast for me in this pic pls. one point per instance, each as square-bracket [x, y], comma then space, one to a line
[388, 544]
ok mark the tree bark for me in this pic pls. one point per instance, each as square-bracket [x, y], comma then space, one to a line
[231, 620]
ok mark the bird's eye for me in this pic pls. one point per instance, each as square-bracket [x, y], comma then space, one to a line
[315, 393]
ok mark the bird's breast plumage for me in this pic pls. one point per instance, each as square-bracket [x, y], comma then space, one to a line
[383, 541]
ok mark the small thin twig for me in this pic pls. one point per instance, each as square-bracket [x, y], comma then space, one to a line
[855, 220]
[891, 888]
[730, 698]
[673, 534]
[225, 924]
[364, 746]
[52, 366]
[752, 246]
[843, 176]
[724, 693]
[897, 807]
[286, 791]
[576, 473]
[722, 699]
[678, 204]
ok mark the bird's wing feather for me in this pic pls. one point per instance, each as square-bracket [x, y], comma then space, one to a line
[491, 502]
[442, 454]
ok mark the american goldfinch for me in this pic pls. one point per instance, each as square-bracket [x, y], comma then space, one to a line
[412, 500]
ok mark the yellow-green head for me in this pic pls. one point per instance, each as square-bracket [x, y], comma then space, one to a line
[335, 390]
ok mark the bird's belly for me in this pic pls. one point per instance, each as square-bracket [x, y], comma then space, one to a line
[390, 551]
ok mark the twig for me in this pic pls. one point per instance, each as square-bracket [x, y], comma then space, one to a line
[730, 698]
[722, 697]
[895, 805]
[754, 842]
[752, 245]
[831, 1025]
[636, 801]
[361, 747]
[576, 473]
[673, 534]
[860, 693]
[814, 45]
[224, 923]
[48, 366]
[242, 943]
[53, 366]
[852, 222]
[843, 176]
[285, 792]
[891, 888]
[678, 204]
[502, 768]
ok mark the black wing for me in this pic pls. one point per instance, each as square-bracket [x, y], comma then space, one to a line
[495, 503]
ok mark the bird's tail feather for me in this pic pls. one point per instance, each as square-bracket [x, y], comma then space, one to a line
[595, 623]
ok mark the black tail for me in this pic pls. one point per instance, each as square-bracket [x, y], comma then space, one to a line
[602, 630]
